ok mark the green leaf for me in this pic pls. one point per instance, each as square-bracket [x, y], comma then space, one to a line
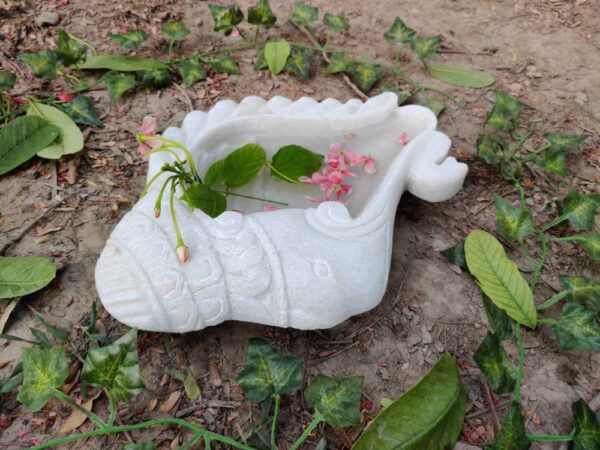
[268, 372]
[338, 62]
[192, 390]
[60, 334]
[590, 243]
[432, 103]
[587, 427]
[140, 446]
[364, 75]
[456, 255]
[423, 48]
[293, 162]
[41, 338]
[577, 328]
[553, 162]
[493, 362]
[22, 138]
[191, 71]
[243, 164]
[261, 14]
[403, 93]
[260, 62]
[118, 83]
[299, 62]
[226, 17]
[22, 275]
[214, 174]
[580, 209]
[428, 416]
[121, 63]
[156, 78]
[336, 399]
[225, 64]
[43, 64]
[336, 22]
[276, 54]
[130, 40]
[70, 138]
[81, 110]
[499, 277]
[44, 370]
[304, 14]
[512, 435]
[175, 31]
[69, 50]
[513, 222]
[7, 80]
[505, 112]
[491, 148]
[564, 142]
[582, 290]
[460, 76]
[497, 318]
[115, 367]
[399, 33]
[202, 197]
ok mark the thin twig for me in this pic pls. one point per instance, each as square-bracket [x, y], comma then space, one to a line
[492, 407]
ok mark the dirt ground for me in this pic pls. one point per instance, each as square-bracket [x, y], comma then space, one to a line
[545, 52]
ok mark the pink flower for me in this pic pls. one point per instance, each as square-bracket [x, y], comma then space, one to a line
[269, 207]
[235, 34]
[403, 139]
[148, 128]
[183, 253]
[64, 97]
[369, 165]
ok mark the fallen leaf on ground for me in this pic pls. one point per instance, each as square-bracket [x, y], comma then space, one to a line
[170, 402]
[77, 418]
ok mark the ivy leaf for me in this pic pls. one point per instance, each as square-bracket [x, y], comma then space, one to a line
[191, 71]
[512, 435]
[225, 64]
[564, 142]
[399, 33]
[337, 400]
[81, 110]
[115, 367]
[505, 112]
[69, 50]
[336, 22]
[499, 277]
[491, 148]
[364, 75]
[431, 414]
[580, 209]
[456, 255]
[587, 427]
[118, 83]
[243, 164]
[175, 31]
[554, 162]
[591, 245]
[423, 48]
[582, 290]
[299, 62]
[7, 80]
[22, 275]
[130, 40]
[498, 319]
[304, 14]
[43, 64]
[293, 161]
[70, 138]
[121, 63]
[513, 222]
[268, 372]
[338, 62]
[432, 103]
[202, 197]
[260, 63]
[577, 328]
[226, 17]
[156, 78]
[214, 174]
[276, 54]
[460, 76]
[493, 362]
[261, 14]
[22, 138]
[44, 370]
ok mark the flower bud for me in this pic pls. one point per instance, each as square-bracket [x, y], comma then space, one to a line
[183, 253]
[156, 213]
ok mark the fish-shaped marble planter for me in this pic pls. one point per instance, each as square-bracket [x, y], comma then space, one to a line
[305, 266]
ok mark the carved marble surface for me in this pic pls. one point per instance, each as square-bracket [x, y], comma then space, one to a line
[305, 267]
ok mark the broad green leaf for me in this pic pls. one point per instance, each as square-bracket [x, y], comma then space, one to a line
[580, 208]
[156, 78]
[432, 103]
[491, 148]
[304, 14]
[293, 162]
[577, 328]
[276, 55]
[338, 62]
[260, 63]
[22, 138]
[175, 31]
[140, 446]
[121, 63]
[214, 174]
[399, 33]
[336, 22]
[225, 64]
[261, 14]
[43, 64]
[428, 416]
[115, 367]
[336, 399]
[226, 17]
[554, 162]
[7, 80]
[191, 71]
[513, 222]
[505, 112]
[299, 62]
[591, 245]
[243, 164]
[460, 76]
[44, 370]
[118, 83]
[81, 110]
[70, 138]
[582, 290]
[564, 142]
[512, 435]
[497, 318]
[456, 255]
[499, 277]
[130, 40]
[424, 48]
[22, 275]
[493, 362]
[69, 50]
[268, 372]
[364, 75]
[587, 427]
[202, 197]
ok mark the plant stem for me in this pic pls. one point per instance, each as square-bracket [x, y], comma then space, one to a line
[540, 265]
[522, 141]
[285, 177]
[309, 429]
[181, 147]
[150, 183]
[256, 34]
[519, 338]
[552, 301]
[274, 424]
[545, 437]
[66, 399]
[252, 198]
[113, 408]
[549, 322]
[568, 239]
[555, 222]
[531, 156]
[161, 193]
[171, 44]
[172, 208]
[191, 441]
[242, 35]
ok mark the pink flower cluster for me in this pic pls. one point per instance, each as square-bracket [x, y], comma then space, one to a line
[148, 128]
[331, 179]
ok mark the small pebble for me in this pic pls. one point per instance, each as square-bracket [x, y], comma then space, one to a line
[47, 18]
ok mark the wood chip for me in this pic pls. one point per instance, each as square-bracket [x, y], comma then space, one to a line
[170, 402]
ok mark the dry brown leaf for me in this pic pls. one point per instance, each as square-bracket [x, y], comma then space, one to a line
[170, 402]
[151, 405]
[8, 311]
[77, 418]
[41, 231]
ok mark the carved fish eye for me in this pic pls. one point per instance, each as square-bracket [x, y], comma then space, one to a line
[321, 269]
